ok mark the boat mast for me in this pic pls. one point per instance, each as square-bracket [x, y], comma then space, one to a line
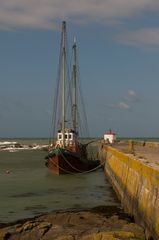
[63, 74]
[74, 94]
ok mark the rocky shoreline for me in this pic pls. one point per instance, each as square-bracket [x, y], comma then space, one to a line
[99, 223]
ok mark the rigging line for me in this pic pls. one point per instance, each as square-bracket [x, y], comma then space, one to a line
[56, 95]
[84, 117]
[68, 97]
[57, 100]
[81, 126]
[80, 105]
[70, 87]
[68, 77]
[81, 120]
[81, 130]
[82, 98]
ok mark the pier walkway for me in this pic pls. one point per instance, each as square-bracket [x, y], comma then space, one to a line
[148, 155]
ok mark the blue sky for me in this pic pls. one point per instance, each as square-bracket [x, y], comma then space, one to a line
[118, 52]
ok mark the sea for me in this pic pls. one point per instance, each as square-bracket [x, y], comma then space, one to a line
[27, 189]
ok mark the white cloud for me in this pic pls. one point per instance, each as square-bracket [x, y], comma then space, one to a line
[144, 36]
[127, 102]
[120, 105]
[123, 105]
[132, 97]
[131, 93]
[44, 13]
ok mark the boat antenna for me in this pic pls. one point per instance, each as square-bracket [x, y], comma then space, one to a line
[74, 93]
[63, 76]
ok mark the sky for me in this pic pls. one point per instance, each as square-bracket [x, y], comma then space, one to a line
[118, 54]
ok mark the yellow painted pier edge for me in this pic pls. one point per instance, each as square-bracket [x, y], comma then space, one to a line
[137, 186]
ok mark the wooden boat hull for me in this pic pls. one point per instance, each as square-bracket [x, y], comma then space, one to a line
[67, 163]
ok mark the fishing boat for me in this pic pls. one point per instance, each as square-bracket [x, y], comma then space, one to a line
[66, 153]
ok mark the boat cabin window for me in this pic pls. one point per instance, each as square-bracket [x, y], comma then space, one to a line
[60, 136]
[68, 136]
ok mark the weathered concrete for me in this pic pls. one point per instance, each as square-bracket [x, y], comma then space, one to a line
[135, 178]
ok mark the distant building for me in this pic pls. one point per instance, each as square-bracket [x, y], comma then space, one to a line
[109, 137]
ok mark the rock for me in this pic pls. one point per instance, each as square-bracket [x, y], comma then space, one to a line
[137, 230]
[73, 225]
[113, 235]
[5, 236]
[44, 227]
[29, 226]
[68, 237]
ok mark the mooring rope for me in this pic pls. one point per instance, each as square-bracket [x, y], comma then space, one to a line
[57, 165]
[80, 172]
[70, 163]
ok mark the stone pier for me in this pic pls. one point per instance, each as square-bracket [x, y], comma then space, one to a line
[133, 171]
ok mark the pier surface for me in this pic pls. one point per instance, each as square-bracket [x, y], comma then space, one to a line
[148, 155]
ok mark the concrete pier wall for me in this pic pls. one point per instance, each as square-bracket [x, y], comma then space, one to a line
[137, 186]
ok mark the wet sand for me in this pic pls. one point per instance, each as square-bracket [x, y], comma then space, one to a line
[107, 223]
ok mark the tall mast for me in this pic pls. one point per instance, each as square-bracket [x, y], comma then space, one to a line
[74, 93]
[63, 74]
